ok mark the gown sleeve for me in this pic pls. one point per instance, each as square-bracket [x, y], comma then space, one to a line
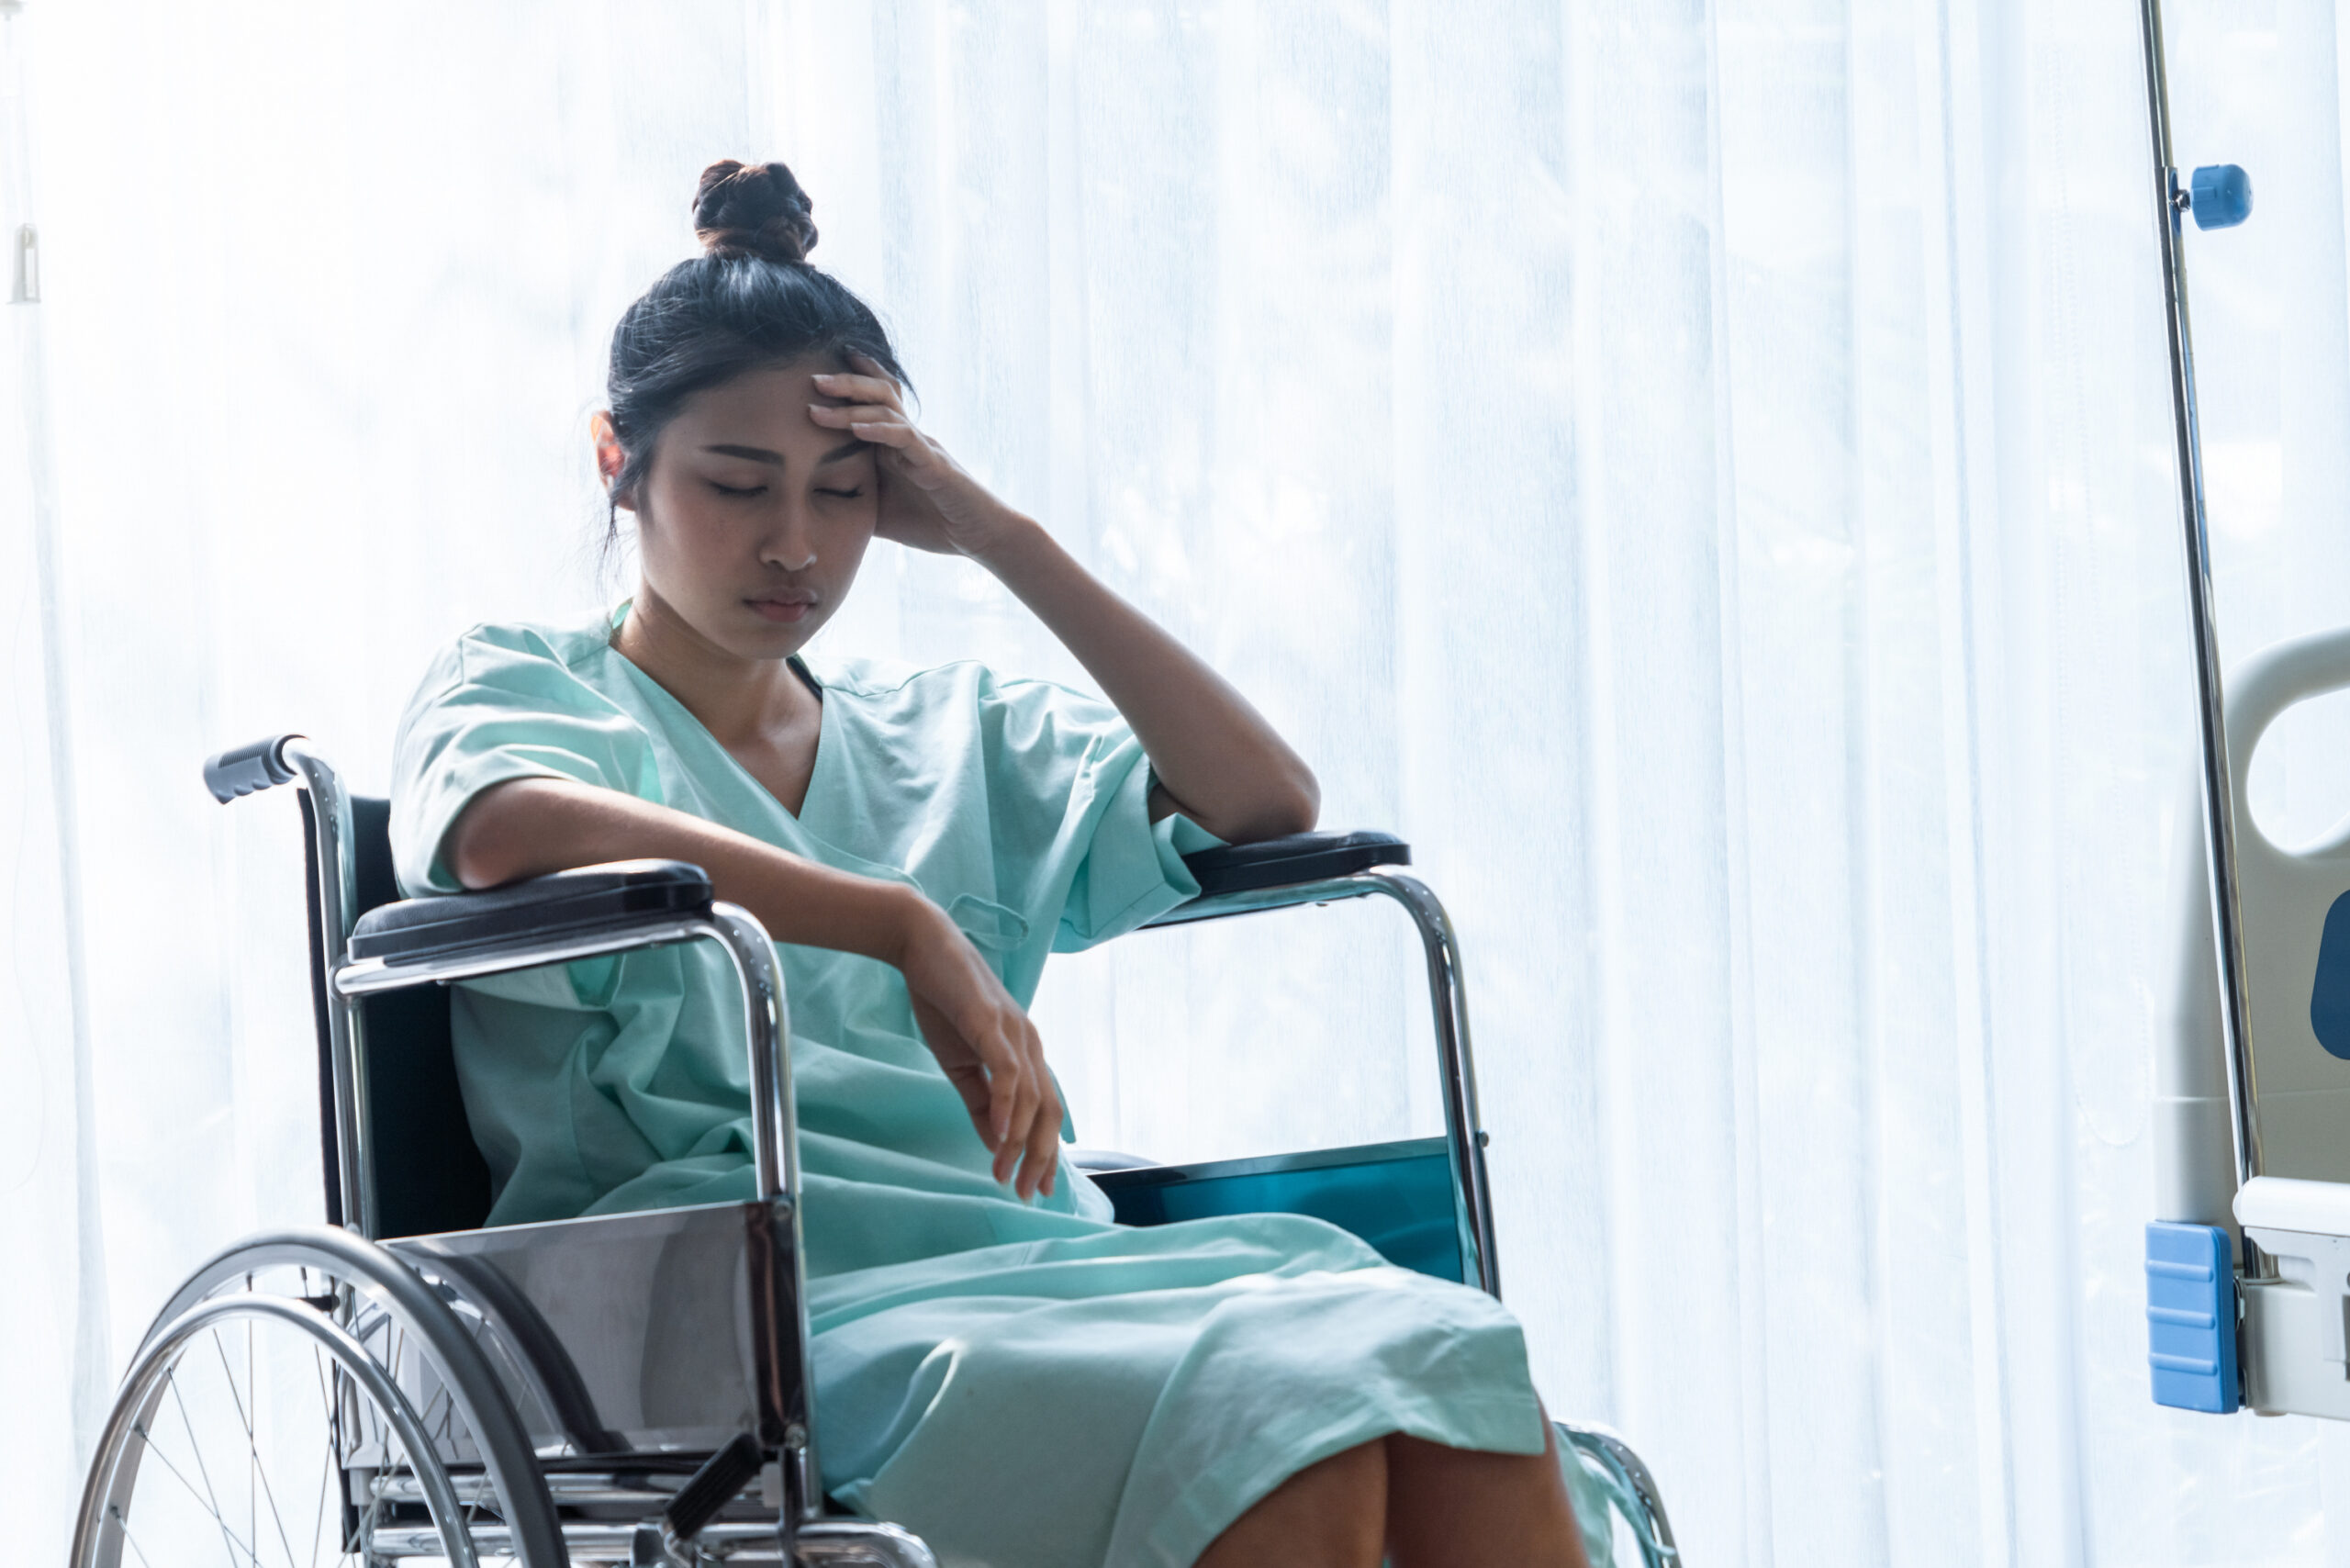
[500, 703]
[1068, 785]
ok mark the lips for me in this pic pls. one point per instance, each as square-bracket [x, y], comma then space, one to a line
[784, 608]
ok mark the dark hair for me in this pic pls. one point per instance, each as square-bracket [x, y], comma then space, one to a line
[751, 300]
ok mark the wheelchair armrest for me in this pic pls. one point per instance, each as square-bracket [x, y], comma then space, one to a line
[562, 903]
[1300, 857]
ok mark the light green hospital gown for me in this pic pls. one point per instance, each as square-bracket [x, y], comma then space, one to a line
[1023, 1384]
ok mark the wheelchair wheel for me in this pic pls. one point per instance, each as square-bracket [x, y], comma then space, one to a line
[306, 1399]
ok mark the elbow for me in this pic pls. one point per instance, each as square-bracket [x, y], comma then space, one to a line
[477, 852]
[1293, 807]
[1300, 811]
[469, 861]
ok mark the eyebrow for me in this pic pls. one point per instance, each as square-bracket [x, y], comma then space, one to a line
[761, 455]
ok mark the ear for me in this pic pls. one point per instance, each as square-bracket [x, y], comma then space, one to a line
[610, 458]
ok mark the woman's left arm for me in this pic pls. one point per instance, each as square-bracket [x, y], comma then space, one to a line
[1217, 760]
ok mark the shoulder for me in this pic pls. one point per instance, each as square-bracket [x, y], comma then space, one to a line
[525, 644]
[518, 655]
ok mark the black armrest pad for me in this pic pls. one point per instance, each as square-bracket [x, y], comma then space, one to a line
[1300, 857]
[552, 905]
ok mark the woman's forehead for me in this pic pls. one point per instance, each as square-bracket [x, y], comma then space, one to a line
[765, 408]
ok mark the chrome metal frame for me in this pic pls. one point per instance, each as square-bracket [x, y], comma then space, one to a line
[2172, 203]
[1615, 1456]
[1449, 999]
[325, 808]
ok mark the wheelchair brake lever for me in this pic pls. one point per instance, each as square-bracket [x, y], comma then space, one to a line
[667, 1541]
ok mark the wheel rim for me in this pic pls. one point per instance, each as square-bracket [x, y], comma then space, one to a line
[258, 1430]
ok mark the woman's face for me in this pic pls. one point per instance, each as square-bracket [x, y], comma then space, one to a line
[753, 518]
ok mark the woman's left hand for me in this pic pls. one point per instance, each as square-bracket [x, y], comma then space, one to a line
[928, 502]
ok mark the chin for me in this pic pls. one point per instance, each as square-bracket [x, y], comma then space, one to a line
[776, 640]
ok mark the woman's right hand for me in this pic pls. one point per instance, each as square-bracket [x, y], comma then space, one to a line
[989, 1050]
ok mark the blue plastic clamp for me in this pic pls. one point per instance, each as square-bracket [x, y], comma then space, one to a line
[2221, 196]
[2191, 1317]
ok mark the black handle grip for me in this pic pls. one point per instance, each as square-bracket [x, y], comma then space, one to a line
[247, 770]
[714, 1486]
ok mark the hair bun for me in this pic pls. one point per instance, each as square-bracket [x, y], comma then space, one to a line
[754, 210]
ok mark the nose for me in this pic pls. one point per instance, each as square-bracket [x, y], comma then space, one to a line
[788, 542]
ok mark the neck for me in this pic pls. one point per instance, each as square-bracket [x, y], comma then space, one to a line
[739, 700]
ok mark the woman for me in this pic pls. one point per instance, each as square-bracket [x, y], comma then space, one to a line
[998, 1367]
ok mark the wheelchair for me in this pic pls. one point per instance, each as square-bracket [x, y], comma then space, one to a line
[404, 1383]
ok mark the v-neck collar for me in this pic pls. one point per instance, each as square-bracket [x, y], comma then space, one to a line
[825, 724]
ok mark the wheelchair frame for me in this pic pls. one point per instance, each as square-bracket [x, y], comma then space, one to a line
[530, 1382]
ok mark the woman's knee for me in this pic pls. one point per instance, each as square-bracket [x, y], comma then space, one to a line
[1332, 1514]
[1464, 1506]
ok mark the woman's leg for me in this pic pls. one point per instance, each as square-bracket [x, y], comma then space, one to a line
[1433, 1507]
[1465, 1509]
[1330, 1515]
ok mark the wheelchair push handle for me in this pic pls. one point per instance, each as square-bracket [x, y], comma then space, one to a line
[248, 769]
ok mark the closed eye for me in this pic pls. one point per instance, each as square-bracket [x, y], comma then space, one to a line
[731, 490]
[845, 494]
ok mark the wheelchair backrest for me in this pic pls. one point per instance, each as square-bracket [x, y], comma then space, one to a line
[429, 1175]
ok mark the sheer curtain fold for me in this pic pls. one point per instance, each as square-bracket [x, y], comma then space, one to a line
[1697, 470]
[56, 1367]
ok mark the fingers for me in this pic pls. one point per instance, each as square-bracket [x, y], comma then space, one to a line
[1031, 1150]
[1012, 1102]
[992, 1055]
[875, 423]
[849, 416]
[873, 369]
[1042, 1162]
[874, 389]
[1023, 1105]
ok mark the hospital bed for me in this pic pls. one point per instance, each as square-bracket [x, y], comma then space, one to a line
[405, 1384]
[2248, 1258]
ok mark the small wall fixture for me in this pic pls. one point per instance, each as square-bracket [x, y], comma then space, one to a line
[27, 287]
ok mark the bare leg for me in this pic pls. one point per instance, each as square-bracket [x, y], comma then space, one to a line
[1456, 1508]
[1330, 1515]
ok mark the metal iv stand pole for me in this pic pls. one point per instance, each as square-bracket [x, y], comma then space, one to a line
[2219, 196]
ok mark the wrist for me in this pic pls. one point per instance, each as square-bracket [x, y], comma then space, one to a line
[1012, 542]
[906, 917]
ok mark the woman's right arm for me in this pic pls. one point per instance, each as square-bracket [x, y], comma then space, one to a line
[526, 827]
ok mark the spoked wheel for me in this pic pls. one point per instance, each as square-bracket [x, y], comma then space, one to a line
[306, 1400]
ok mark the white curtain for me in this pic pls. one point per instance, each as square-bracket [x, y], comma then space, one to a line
[1701, 472]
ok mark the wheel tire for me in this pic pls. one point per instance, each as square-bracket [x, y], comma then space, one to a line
[374, 1332]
